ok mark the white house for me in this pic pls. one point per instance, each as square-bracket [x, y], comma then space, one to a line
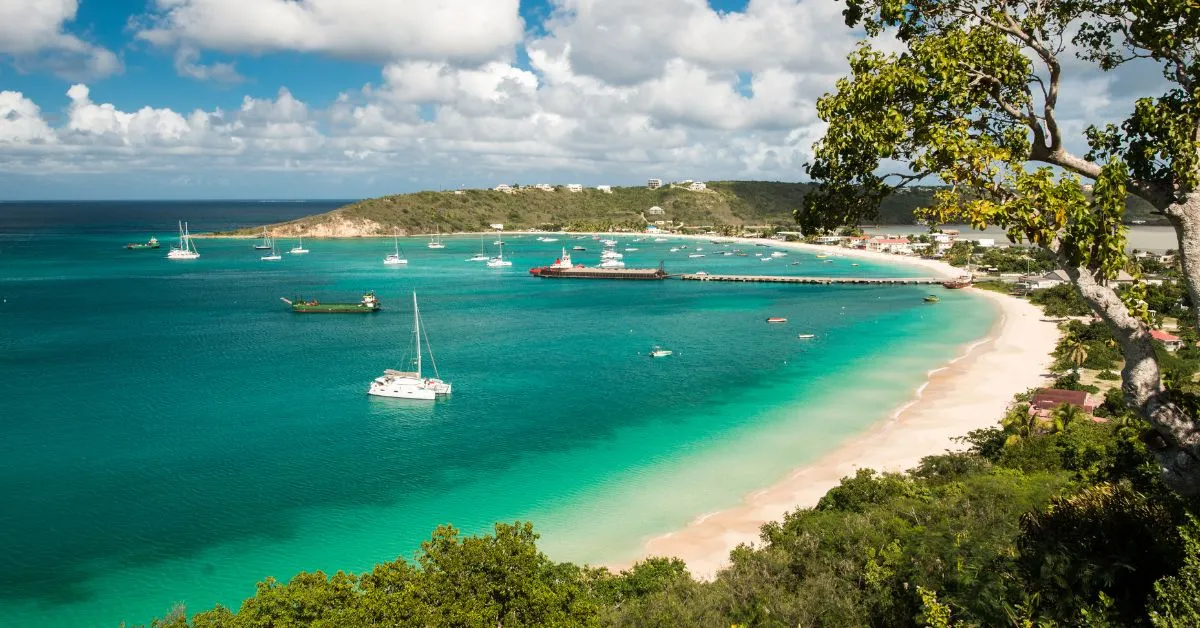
[545, 187]
[1049, 280]
[504, 187]
[942, 238]
[985, 242]
[889, 245]
[574, 187]
[607, 189]
[654, 184]
[829, 239]
[696, 186]
[655, 211]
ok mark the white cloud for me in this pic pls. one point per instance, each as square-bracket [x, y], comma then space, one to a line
[187, 64]
[31, 31]
[467, 31]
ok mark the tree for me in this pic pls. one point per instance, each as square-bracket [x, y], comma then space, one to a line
[972, 100]
[1020, 423]
[1077, 353]
[1064, 415]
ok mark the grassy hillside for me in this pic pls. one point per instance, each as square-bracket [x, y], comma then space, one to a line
[723, 204]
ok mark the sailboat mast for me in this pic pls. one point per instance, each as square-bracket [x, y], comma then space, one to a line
[417, 331]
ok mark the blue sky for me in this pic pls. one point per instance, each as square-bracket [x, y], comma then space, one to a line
[354, 98]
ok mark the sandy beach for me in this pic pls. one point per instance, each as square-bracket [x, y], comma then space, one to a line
[970, 392]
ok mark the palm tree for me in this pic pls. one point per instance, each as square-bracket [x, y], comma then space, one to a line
[1020, 422]
[1064, 415]
[1077, 353]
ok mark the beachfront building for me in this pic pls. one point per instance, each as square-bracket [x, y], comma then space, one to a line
[1048, 280]
[607, 189]
[655, 211]
[1170, 341]
[889, 245]
[697, 186]
[654, 184]
[504, 187]
[830, 239]
[1045, 400]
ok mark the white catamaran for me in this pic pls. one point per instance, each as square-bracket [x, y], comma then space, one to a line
[411, 384]
[499, 261]
[394, 259]
[299, 248]
[186, 248]
[436, 242]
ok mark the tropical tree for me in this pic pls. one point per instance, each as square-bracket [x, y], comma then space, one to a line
[1064, 415]
[1077, 353]
[972, 99]
[1020, 424]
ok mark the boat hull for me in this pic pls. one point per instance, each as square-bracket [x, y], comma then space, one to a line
[598, 273]
[334, 308]
[141, 246]
[403, 392]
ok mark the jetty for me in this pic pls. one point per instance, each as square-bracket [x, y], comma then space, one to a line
[870, 281]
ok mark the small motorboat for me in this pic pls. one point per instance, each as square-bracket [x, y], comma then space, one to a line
[578, 248]
[931, 298]
[806, 336]
[659, 352]
[777, 319]
[696, 255]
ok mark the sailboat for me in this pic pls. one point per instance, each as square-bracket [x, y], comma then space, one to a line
[274, 256]
[481, 256]
[186, 248]
[299, 248]
[265, 245]
[499, 261]
[394, 259]
[436, 242]
[411, 384]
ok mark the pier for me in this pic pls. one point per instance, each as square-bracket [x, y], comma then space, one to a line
[869, 281]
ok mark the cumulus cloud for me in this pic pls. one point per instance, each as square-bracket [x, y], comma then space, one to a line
[466, 31]
[31, 31]
[610, 92]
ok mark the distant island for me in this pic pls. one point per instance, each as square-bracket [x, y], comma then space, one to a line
[728, 206]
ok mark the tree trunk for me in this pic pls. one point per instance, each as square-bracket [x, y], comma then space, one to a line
[1178, 450]
[1185, 216]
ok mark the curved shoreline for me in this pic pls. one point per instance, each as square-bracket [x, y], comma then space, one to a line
[971, 391]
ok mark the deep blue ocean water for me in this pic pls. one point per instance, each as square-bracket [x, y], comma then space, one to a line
[173, 433]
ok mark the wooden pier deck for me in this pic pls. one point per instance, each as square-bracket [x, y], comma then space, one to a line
[814, 280]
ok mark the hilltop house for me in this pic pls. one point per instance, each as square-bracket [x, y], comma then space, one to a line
[607, 189]
[574, 187]
[545, 187]
[696, 186]
[504, 187]
[654, 184]
[655, 211]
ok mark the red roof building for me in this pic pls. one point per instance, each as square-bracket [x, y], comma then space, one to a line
[1047, 399]
[1170, 341]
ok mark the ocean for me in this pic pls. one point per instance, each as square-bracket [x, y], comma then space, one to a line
[174, 434]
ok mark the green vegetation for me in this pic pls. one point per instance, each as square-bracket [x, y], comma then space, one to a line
[969, 93]
[1039, 521]
[725, 206]
[1061, 300]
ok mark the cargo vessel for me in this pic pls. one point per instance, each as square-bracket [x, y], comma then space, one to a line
[152, 243]
[367, 305]
[562, 268]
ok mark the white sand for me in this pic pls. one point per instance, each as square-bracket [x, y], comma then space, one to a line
[971, 392]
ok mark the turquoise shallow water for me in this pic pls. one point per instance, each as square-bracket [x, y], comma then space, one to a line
[174, 434]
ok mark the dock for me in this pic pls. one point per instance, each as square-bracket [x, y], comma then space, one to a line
[868, 281]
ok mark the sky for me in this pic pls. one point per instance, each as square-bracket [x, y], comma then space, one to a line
[161, 99]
